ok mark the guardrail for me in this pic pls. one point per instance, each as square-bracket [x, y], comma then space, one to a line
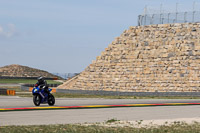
[6, 92]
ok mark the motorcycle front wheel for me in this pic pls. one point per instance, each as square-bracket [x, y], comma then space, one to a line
[36, 100]
[51, 100]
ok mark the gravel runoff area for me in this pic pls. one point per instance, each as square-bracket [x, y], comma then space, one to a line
[144, 123]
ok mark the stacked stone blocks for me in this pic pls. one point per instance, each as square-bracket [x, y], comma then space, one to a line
[154, 58]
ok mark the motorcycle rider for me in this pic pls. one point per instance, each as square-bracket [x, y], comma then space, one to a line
[42, 84]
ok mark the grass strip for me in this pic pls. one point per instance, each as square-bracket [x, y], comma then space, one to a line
[178, 127]
[70, 95]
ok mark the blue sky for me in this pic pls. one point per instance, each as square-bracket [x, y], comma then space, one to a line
[64, 36]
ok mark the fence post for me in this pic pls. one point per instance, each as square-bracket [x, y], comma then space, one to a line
[139, 20]
[160, 17]
[185, 15]
[193, 16]
[152, 19]
[176, 11]
[168, 17]
[145, 19]
[162, 20]
[193, 11]
[176, 16]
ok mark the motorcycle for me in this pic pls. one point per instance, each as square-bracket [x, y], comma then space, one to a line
[40, 96]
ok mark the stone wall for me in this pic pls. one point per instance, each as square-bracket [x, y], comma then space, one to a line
[155, 58]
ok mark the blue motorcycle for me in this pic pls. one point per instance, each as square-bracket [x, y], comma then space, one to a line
[40, 96]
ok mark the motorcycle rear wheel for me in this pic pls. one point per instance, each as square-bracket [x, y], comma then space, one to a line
[36, 100]
[51, 100]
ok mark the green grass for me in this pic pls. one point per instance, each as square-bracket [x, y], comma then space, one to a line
[69, 95]
[178, 127]
[111, 120]
[25, 81]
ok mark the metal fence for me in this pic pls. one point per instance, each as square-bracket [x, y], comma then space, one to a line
[165, 18]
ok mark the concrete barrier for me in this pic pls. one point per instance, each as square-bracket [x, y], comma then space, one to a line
[3, 91]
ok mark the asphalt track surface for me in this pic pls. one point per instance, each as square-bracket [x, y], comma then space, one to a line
[38, 117]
